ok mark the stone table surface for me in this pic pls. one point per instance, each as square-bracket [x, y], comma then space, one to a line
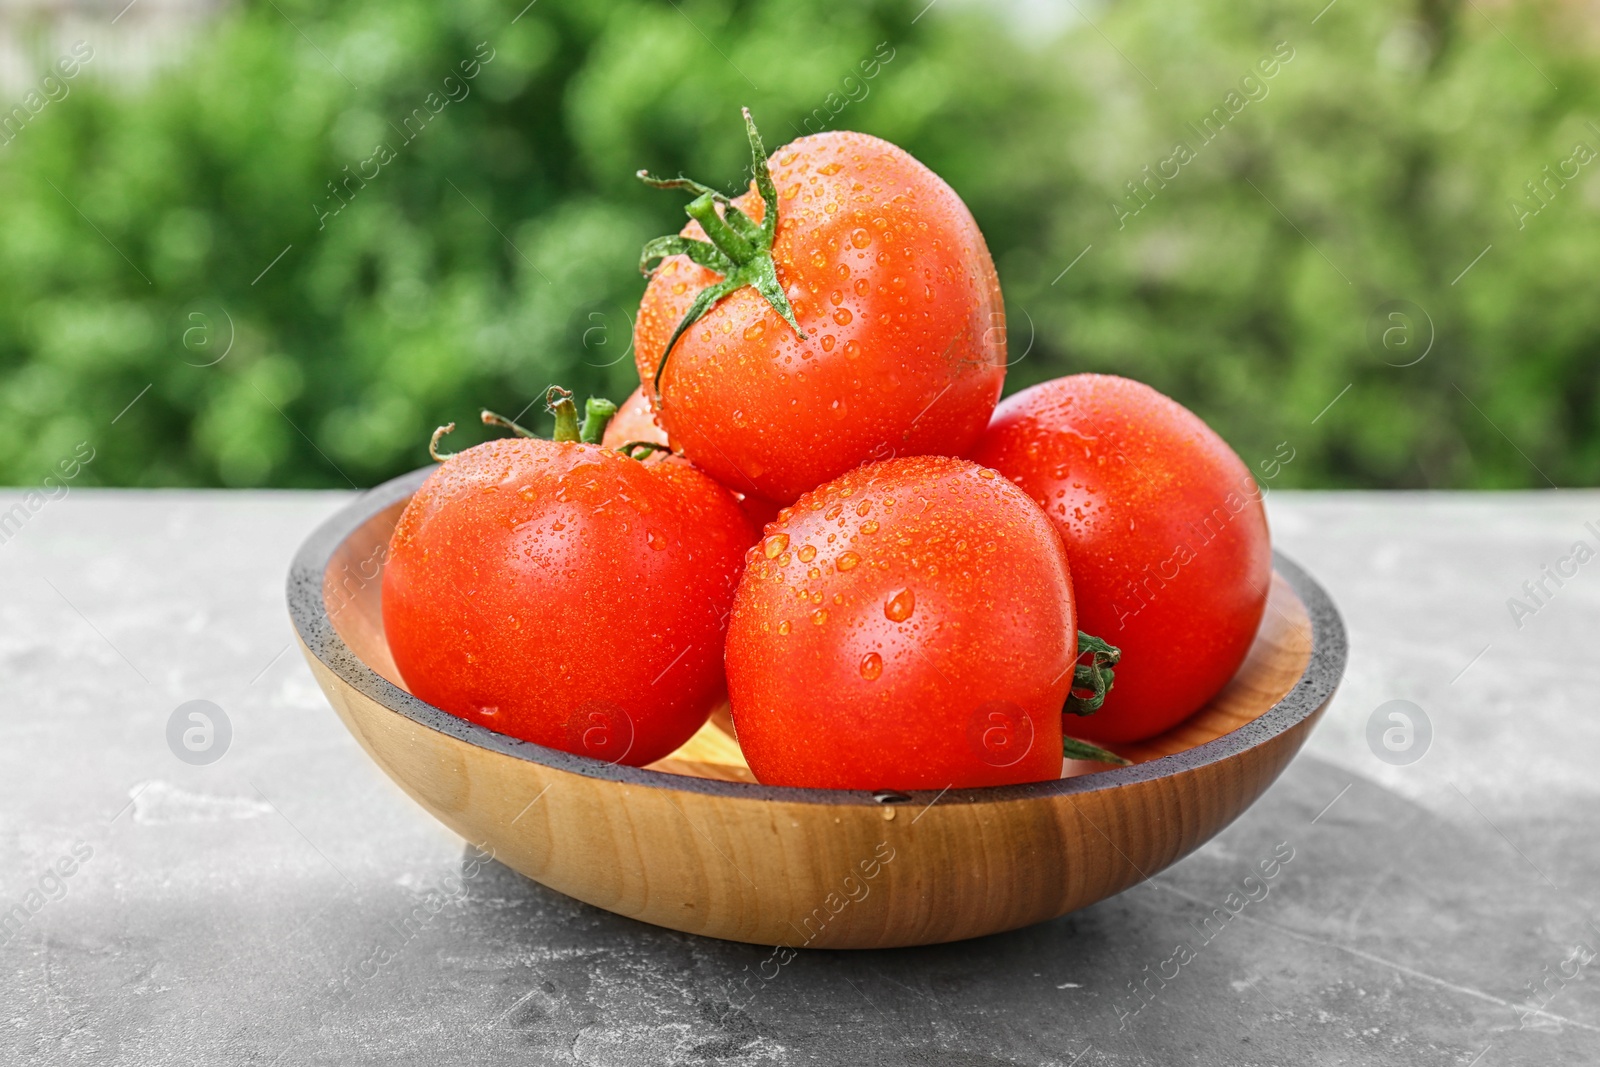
[245, 912]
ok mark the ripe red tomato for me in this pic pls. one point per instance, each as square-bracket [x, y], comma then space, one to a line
[908, 625]
[895, 344]
[560, 592]
[1171, 560]
[635, 423]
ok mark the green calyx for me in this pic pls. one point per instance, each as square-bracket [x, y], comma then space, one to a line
[1092, 678]
[737, 247]
[597, 412]
[1072, 748]
[1092, 675]
[642, 450]
[433, 442]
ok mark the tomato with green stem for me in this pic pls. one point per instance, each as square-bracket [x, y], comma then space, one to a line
[844, 308]
[1163, 523]
[563, 593]
[910, 625]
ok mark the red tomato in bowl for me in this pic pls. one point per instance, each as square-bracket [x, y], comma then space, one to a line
[634, 422]
[909, 625]
[562, 593]
[1163, 523]
[866, 324]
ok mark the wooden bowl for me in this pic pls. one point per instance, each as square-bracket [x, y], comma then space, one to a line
[693, 843]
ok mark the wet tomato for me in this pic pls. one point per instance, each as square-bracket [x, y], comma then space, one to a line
[1163, 523]
[909, 625]
[563, 593]
[843, 309]
[635, 424]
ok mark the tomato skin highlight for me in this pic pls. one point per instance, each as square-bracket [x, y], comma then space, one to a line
[909, 625]
[567, 595]
[1163, 522]
[894, 287]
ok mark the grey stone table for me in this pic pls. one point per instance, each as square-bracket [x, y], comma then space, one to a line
[255, 910]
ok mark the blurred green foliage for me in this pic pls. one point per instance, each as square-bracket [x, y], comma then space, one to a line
[147, 230]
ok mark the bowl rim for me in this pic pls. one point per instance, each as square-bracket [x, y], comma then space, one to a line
[308, 611]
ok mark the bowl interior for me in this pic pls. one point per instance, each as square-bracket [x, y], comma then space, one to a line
[1278, 660]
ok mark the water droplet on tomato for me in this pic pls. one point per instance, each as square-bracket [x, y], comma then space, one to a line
[870, 526]
[754, 331]
[863, 287]
[836, 297]
[775, 544]
[807, 554]
[842, 316]
[899, 607]
[655, 540]
[846, 560]
[783, 628]
[860, 237]
[871, 666]
[819, 616]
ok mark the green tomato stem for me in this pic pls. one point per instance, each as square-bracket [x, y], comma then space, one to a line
[597, 412]
[736, 247]
[433, 443]
[558, 402]
[1072, 748]
[1093, 679]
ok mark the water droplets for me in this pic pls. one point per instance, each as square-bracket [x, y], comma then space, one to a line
[774, 545]
[807, 553]
[871, 666]
[899, 607]
[846, 561]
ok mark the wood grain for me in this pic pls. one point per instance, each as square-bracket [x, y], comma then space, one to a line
[700, 848]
